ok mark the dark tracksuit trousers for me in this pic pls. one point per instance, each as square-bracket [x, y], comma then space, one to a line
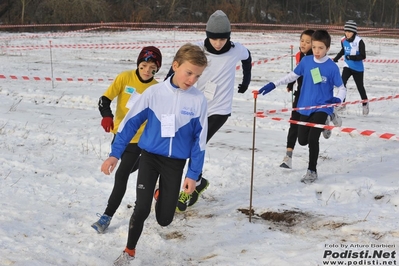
[151, 167]
[358, 77]
[128, 164]
[170, 171]
[293, 130]
[311, 135]
[215, 122]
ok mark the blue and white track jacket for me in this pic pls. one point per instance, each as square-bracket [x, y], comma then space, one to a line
[191, 125]
[353, 49]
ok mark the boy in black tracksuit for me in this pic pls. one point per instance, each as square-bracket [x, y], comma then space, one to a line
[305, 49]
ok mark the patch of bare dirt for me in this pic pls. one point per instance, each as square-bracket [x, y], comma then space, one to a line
[173, 235]
[285, 220]
[284, 217]
[287, 217]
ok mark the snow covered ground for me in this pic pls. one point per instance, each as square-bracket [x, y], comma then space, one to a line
[52, 146]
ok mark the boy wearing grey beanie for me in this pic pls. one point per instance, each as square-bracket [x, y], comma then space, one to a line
[218, 26]
[217, 84]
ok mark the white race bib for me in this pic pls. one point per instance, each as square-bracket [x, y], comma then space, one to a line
[167, 125]
[210, 89]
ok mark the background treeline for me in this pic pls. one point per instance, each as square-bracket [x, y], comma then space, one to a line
[379, 13]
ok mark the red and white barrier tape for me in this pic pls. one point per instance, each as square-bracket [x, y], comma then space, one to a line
[121, 47]
[375, 99]
[13, 77]
[385, 61]
[187, 24]
[136, 45]
[367, 133]
[168, 26]
[58, 34]
[392, 61]
[126, 46]
[80, 33]
[264, 61]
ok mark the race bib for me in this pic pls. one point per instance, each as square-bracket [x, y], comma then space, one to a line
[316, 76]
[167, 125]
[210, 89]
[129, 90]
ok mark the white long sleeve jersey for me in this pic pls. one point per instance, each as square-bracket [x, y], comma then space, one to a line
[217, 80]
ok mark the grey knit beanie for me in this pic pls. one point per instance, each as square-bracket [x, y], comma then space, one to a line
[218, 26]
[350, 25]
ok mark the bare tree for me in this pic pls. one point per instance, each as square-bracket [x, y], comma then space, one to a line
[24, 3]
[382, 12]
[370, 11]
[172, 7]
[396, 16]
[75, 11]
[5, 7]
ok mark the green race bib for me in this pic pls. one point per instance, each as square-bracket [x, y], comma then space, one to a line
[316, 76]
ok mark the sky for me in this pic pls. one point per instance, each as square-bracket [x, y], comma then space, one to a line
[52, 146]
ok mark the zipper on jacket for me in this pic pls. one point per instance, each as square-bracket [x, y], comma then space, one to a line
[176, 101]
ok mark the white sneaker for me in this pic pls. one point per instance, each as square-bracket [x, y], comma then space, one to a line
[287, 162]
[366, 109]
[123, 260]
[327, 132]
[336, 119]
[309, 177]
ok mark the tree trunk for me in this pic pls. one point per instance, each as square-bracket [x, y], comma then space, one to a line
[395, 21]
[382, 13]
[23, 2]
[371, 5]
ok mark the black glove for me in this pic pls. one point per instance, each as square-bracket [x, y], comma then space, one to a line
[242, 88]
[335, 60]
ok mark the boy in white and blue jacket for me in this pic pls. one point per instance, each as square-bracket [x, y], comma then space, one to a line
[176, 130]
[354, 52]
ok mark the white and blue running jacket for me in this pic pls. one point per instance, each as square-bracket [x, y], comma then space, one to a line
[189, 108]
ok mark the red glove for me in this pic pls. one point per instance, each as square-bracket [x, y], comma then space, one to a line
[107, 123]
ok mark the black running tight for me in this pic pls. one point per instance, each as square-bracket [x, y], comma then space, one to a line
[358, 78]
[151, 167]
[311, 135]
[128, 164]
[215, 122]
